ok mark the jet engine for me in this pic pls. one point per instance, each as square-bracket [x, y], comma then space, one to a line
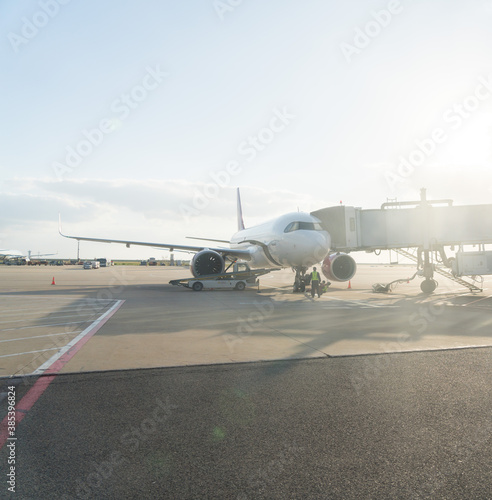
[339, 267]
[207, 262]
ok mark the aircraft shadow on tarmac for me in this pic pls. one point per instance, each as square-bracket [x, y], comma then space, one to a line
[393, 323]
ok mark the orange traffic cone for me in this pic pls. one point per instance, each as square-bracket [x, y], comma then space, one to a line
[349, 286]
[53, 282]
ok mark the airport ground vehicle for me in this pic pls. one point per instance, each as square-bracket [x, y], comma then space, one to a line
[214, 284]
[92, 264]
[239, 279]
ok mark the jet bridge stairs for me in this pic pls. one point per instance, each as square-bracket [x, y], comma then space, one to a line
[471, 285]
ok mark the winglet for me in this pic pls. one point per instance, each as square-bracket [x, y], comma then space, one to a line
[240, 222]
[60, 227]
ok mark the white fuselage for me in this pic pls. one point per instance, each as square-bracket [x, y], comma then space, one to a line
[292, 240]
[11, 254]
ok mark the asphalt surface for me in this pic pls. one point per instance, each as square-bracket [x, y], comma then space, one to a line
[161, 325]
[387, 425]
[414, 425]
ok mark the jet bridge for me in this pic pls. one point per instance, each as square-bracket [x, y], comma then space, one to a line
[426, 225]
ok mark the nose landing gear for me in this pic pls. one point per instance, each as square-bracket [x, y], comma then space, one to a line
[299, 281]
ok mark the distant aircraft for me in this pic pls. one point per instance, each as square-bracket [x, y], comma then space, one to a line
[296, 240]
[11, 254]
[16, 254]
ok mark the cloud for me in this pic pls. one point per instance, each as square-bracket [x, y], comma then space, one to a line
[40, 200]
[22, 208]
[142, 210]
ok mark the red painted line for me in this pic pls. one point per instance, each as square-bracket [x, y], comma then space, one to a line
[42, 383]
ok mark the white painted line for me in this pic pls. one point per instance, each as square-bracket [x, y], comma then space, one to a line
[28, 352]
[16, 311]
[88, 331]
[40, 311]
[42, 326]
[361, 306]
[39, 298]
[61, 308]
[358, 302]
[92, 313]
[478, 300]
[340, 307]
[39, 336]
[51, 298]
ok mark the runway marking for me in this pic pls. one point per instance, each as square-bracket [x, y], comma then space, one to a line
[40, 336]
[358, 302]
[91, 313]
[44, 310]
[28, 352]
[52, 367]
[42, 326]
[55, 364]
[51, 298]
[473, 301]
[361, 304]
[16, 311]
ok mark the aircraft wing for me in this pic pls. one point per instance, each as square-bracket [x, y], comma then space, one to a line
[241, 254]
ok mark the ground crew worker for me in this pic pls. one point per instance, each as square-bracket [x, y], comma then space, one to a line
[315, 283]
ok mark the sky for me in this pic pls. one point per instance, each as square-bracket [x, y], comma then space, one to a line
[137, 120]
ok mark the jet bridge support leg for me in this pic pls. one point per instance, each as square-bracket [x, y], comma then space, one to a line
[429, 284]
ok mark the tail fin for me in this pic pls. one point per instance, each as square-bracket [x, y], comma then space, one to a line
[240, 222]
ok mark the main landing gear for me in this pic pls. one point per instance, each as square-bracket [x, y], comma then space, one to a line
[299, 281]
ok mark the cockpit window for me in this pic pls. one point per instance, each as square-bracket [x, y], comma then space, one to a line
[293, 226]
[307, 226]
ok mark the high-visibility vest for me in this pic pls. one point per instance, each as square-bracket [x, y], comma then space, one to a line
[315, 276]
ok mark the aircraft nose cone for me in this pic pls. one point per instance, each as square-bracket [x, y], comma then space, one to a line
[320, 245]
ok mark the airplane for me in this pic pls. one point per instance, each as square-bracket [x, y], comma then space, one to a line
[295, 240]
[11, 254]
[16, 254]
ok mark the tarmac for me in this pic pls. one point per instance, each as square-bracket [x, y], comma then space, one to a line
[128, 387]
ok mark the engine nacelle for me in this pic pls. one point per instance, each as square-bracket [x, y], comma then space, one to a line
[207, 262]
[339, 267]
